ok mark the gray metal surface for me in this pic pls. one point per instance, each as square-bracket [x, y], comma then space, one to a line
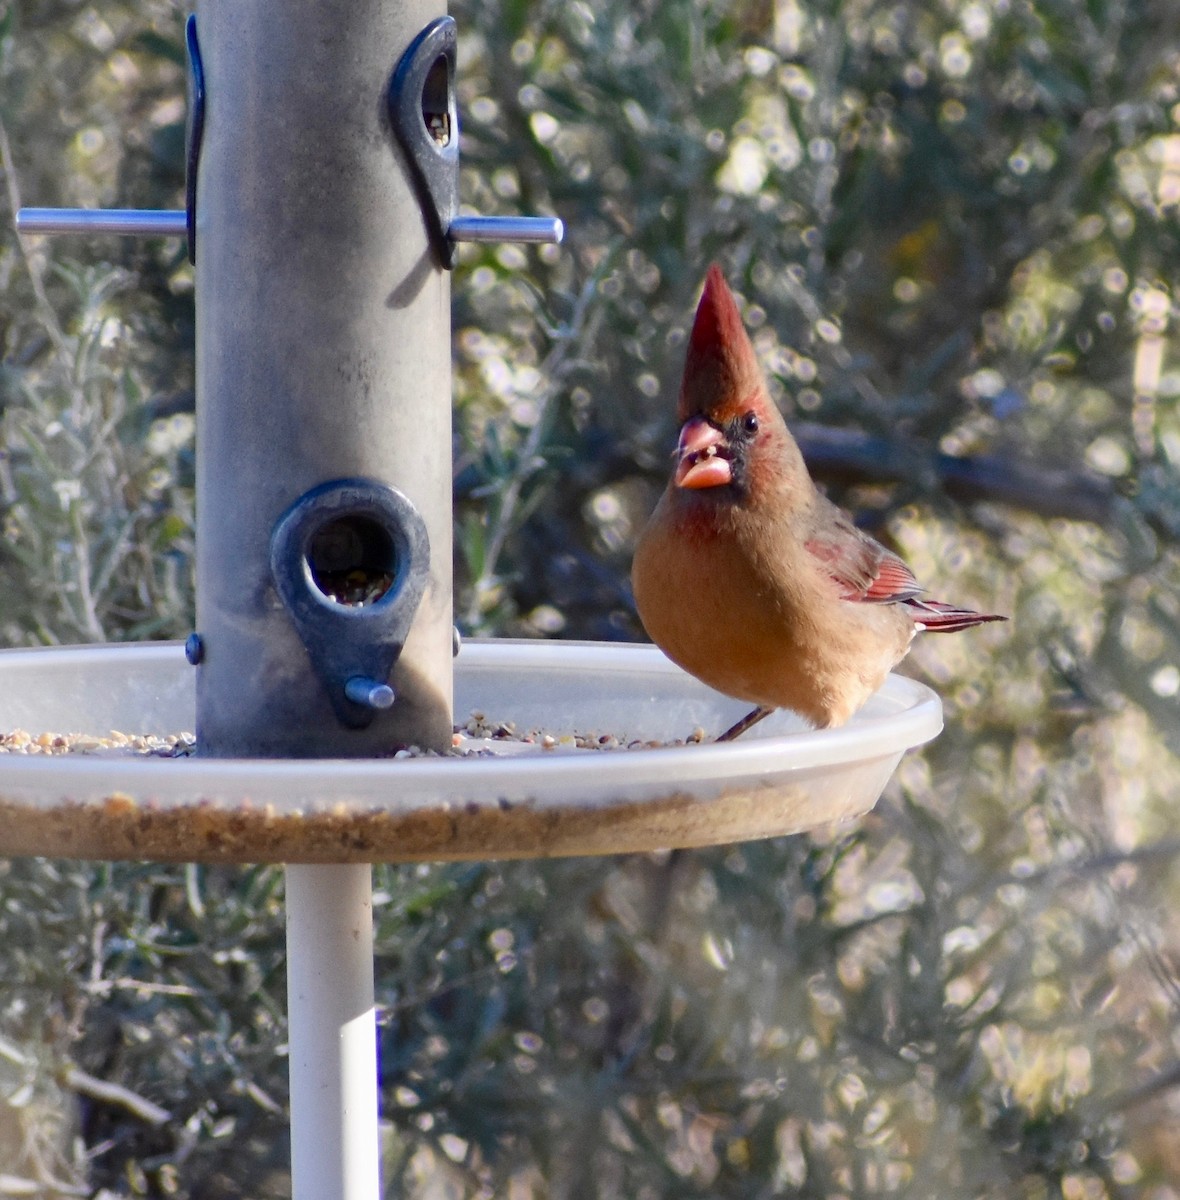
[323, 352]
[538, 230]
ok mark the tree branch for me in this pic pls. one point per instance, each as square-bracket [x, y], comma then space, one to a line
[114, 1093]
[850, 456]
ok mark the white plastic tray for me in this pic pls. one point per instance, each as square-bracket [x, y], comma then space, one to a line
[779, 778]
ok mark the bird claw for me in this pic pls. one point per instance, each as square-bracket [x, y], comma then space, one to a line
[747, 722]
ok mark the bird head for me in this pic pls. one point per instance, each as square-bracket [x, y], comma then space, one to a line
[726, 415]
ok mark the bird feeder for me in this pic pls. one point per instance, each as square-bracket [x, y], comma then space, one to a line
[322, 213]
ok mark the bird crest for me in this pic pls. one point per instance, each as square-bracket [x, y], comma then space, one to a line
[722, 377]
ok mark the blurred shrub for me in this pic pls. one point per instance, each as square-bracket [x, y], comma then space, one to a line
[953, 227]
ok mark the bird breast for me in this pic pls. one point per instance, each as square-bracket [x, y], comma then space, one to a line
[756, 619]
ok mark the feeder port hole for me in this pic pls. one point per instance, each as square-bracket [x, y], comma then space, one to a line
[352, 560]
[436, 101]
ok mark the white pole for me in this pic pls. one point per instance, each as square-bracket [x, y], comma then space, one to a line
[332, 1033]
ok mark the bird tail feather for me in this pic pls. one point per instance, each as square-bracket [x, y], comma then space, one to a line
[936, 617]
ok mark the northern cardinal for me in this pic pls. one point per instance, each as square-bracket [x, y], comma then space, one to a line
[750, 578]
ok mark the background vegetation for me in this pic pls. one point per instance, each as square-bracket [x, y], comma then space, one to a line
[954, 227]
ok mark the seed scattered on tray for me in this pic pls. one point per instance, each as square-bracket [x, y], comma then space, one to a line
[479, 737]
[114, 745]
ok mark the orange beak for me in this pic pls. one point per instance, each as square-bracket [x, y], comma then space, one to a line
[701, 460]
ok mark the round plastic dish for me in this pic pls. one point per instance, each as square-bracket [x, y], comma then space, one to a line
[779, 778]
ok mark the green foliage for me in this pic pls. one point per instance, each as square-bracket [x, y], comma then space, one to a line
[96, 486]
[99, 516]
[953, 227]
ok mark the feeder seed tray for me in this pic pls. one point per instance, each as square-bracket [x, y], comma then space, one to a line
[782, 778]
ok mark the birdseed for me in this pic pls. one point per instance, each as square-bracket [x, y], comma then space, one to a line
[478, 737]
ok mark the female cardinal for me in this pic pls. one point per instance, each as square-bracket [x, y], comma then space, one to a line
[746, 575]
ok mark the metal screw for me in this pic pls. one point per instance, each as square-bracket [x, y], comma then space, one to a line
[369, 693]
[194, 648]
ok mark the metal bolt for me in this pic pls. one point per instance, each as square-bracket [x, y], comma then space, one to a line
[194, 648]
[369, 693]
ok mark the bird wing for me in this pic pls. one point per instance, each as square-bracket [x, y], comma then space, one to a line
[864, 570]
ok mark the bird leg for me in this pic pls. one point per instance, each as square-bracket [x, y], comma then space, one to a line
[747, 722]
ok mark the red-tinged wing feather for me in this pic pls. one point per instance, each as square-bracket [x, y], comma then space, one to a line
[868, 573]
[863, 568]
[894, 582]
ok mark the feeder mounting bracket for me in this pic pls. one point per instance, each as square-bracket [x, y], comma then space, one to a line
[425, 120]
[194, 130]
[422, 112]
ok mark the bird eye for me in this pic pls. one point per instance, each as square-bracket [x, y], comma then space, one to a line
[750, 422]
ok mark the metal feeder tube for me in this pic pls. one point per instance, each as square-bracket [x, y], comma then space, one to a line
[323, 352]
